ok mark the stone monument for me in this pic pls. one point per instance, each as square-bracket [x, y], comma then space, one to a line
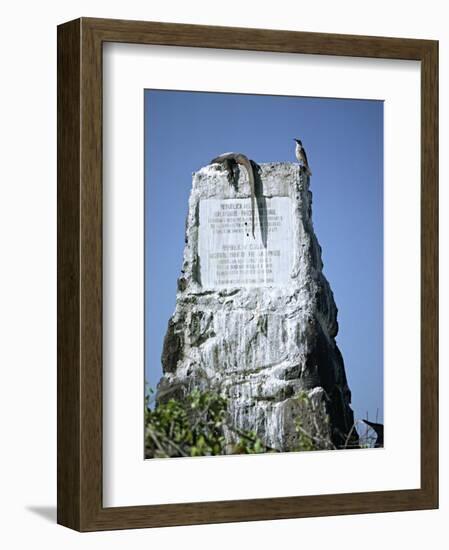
[255, 318]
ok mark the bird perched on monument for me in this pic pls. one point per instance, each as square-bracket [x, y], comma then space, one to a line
[302, 157]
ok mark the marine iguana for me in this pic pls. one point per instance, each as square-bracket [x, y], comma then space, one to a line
[379, 429]
[229, 160]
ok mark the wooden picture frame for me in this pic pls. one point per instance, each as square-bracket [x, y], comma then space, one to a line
[80, 503]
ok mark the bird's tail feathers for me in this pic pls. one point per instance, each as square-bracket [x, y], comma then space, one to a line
[307, 170]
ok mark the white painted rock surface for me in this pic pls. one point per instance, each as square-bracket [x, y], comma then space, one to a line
[255, 317]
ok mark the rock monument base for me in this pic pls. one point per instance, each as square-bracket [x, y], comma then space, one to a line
[255, 317]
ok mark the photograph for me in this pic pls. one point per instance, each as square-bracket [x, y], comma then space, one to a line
[247, 272]
[264, 262]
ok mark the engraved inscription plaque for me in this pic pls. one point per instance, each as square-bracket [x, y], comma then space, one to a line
[229, 254]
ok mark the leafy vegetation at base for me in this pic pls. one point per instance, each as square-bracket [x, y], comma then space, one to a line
[195, 427]
[200, 425]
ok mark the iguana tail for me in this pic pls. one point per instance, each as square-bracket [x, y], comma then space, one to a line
[244, 161]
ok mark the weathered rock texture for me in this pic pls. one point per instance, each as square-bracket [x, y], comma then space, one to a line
[261, 346]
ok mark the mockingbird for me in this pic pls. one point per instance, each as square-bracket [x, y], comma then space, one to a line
[302, 157]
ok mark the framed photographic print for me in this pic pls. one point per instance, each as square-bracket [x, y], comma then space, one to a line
[247, 274]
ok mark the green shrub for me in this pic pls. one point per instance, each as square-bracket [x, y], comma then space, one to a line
[194, 427]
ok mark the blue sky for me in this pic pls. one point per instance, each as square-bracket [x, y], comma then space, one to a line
[344, 143]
